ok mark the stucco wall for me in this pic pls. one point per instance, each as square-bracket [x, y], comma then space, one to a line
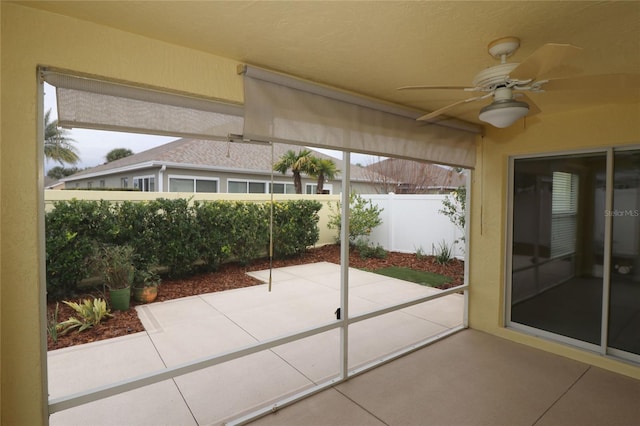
[591, 128]
[30, 38]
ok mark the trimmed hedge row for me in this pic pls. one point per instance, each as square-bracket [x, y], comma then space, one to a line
[172, 233]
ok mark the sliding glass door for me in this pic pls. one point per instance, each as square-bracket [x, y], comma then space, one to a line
[624, 313]
[575, 244]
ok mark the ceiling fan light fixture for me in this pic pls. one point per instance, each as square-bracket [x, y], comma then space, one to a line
[503, 113]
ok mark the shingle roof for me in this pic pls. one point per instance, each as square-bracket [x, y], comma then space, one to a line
[212, 154]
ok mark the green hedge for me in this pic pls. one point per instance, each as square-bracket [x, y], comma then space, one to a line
[172, 233]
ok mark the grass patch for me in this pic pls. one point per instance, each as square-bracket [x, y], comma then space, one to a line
[420, 277]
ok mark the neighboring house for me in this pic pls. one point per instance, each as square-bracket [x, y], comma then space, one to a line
[50, 183]
[191, 165]
[412, 177]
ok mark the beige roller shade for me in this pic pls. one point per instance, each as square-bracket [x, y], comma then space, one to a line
[283, 109]
[95, 104]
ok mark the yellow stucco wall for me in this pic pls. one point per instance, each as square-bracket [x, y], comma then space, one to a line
[30, 38]
[591, 128]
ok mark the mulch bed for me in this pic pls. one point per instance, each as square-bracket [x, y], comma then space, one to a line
[230, 276]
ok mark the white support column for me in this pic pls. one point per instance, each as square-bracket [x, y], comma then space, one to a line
[344, 267]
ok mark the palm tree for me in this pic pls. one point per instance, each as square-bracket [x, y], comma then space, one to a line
[298, 163]
[322, 169]
[57, 146]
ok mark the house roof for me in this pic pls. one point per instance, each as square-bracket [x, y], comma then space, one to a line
[209, 155]
[418, 174]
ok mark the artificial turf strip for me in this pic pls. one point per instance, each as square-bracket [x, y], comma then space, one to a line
[420, 277]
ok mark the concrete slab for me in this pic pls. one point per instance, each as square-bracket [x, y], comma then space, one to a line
[232, 389]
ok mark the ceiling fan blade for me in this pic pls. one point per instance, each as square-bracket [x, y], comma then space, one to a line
[595, 82]
[442, 110]
[544, 60]
[432, 88]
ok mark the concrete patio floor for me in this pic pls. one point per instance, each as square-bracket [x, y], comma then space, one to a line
[469, 378]
[182, 330]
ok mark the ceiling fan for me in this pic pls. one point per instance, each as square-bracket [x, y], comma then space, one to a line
[506, 82]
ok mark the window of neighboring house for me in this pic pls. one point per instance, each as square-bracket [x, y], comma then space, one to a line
[124, 182]
[311, 188]
[89, 185]
[283, 188]
[102, 183]
[192, 185]
[246, 187]
[144, 183]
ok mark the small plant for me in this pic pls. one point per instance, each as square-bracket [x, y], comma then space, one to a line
[363, 217]
[114, 264]
[369, 251]
[420, 255]
[443, 253]
[53, 325]
[91, 312]
[454, 207]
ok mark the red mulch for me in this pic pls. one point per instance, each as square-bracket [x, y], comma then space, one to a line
[230, 276]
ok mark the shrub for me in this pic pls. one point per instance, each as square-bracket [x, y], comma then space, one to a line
[170, 233]
[368, 250]
[454, 207]
[249, 233]
[295, 226]
[174, 227]
[363, 217]
[214, 220]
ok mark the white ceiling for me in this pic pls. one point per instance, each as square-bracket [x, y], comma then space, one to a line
[374, 47]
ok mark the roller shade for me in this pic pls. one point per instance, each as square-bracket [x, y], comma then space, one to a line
[283, 109]
[96, 104]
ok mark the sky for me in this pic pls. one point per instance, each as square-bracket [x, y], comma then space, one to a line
[93, 145]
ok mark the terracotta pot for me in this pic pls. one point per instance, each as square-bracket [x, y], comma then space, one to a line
[145, 294]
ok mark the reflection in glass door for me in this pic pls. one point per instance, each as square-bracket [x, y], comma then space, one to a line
[575, 252]
[557, 252]
[624, 311]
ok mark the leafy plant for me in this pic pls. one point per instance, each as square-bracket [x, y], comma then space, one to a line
[363, 217]
[90, 313]
[420, 253]
[114, 264]
[443, 253]
[454, 207]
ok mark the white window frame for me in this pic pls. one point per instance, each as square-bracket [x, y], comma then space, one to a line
[195, 179]
[248, 182]
[314, 186]
[148, 179]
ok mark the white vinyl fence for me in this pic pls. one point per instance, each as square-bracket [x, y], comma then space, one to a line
[411, 222]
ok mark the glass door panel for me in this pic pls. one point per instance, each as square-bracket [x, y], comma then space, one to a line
[624, 311]
[558, 245]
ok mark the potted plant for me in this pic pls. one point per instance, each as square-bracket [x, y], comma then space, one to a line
[114, 264]
[145, 285]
